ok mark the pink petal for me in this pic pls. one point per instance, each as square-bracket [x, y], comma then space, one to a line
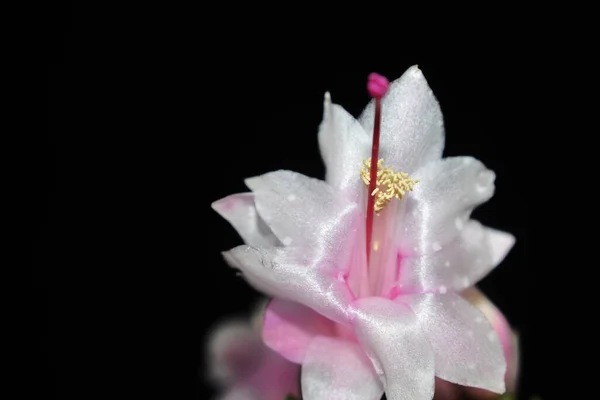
[466, 347]
[390, 334]
[239, 361]
[289, 327]
[412, 129]
[445, 390]
[336, 369]
[240, 211]
[275, 377]
[240, 393]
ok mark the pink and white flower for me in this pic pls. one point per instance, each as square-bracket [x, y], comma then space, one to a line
[394, 322]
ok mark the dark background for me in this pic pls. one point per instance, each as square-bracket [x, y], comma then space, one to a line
[153, 115]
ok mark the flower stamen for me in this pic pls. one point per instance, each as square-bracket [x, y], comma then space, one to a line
[389, 184]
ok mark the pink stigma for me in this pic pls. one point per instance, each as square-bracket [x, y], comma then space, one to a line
[377, 85]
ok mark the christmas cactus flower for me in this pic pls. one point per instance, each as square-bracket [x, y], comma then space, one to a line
[365, 268]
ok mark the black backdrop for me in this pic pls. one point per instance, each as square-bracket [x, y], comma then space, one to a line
[151, 120]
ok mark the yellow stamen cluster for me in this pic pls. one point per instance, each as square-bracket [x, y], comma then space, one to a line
[390, 184]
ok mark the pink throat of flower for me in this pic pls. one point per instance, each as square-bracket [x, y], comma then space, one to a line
[377, 86]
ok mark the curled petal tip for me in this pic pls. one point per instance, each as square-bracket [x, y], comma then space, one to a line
[377, 85]
[217, 205]
[501, 244]
[229, 258]
[415, 70]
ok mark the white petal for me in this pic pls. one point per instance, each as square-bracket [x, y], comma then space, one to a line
[240, 211]
[344, 145]
[307, 214]
[508, 339]
[442, 201]
[459, 264]
[279, 272]
[336, 369]
[390, 334]
[412, 129]
[501, 243]
[466, 347]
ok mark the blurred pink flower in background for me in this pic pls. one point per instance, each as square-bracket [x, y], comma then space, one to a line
[244, 368]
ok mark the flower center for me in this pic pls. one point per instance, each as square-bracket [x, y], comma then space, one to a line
[384, 184]
[377, 87]
[383, 258]
[389, 184]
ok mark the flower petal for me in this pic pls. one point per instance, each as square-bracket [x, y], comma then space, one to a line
[234, 349]
[275, 377]
[239, 361]
[390, 334]
[508, 339]
[344, 145]
[458, 264]
[448, 391]
[466, 347]
[438, 208]
[307, 214]
[412, 127]
[279, 272]
[289, 327]
[240, 393]
[336, 369]
[513, 369]
[240, 211]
